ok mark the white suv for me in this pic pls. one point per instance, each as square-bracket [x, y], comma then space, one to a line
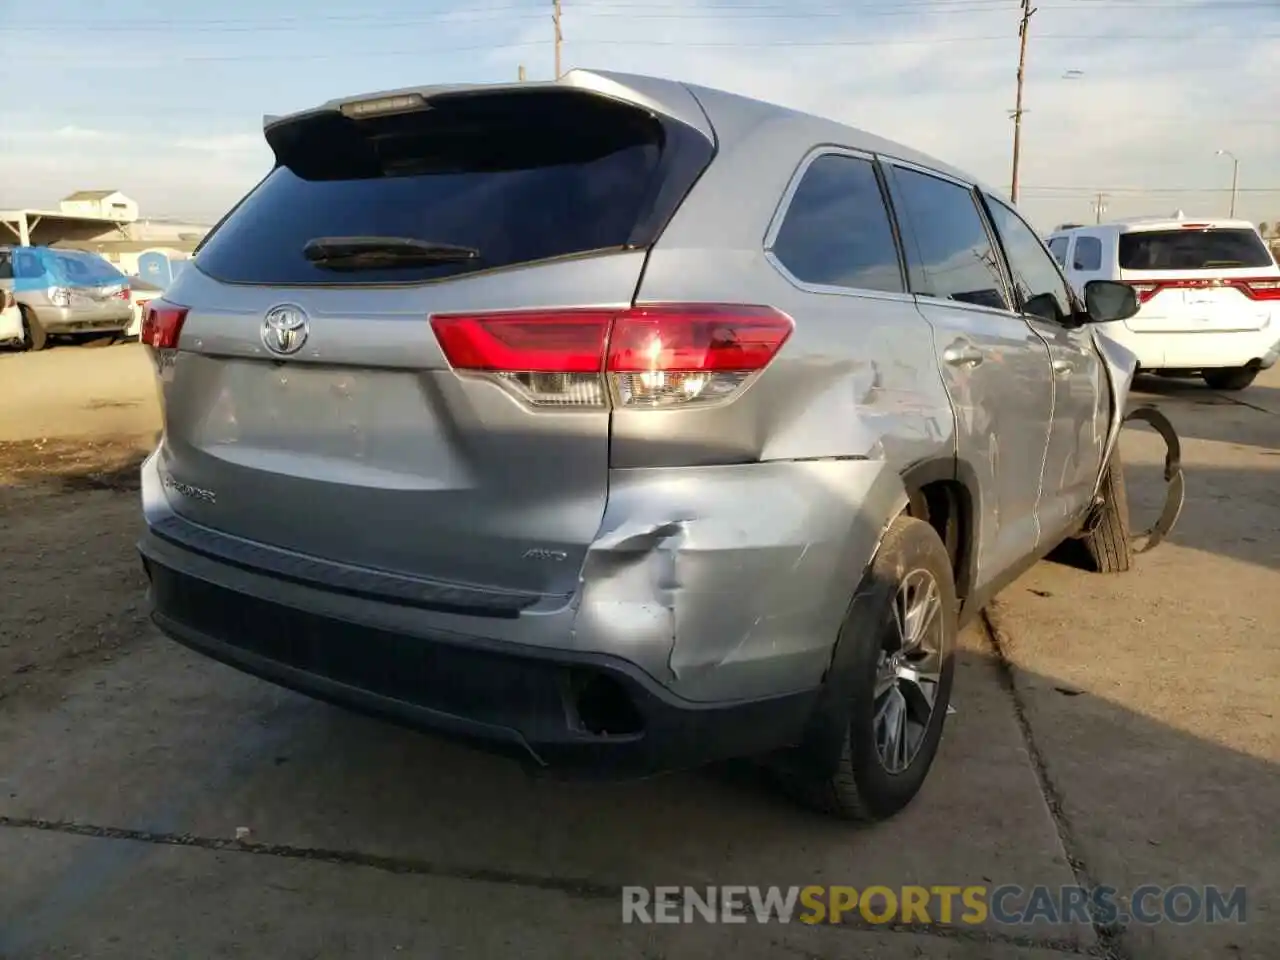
[1209, 292]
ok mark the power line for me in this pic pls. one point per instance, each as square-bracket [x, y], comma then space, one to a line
[279, 56]
[507, 11]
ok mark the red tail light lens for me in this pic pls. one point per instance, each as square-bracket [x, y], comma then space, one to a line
[653, 356]
[529, 342]
[695, 338]
[1267, 288]
[1145, 291]
[162, 325]
[124, 294]
[1260, 288]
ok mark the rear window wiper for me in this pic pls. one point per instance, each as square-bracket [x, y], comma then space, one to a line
[376, 253]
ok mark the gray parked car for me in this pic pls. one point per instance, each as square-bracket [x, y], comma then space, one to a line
[625, 425]
[63, 293]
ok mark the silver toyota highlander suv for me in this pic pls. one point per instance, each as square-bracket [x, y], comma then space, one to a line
[624, 425]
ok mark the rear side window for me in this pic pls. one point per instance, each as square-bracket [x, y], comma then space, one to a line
[957, 261]
[6, 265]
[836, 230]
[518, 178]
[27, 265]
[1223, 249]
[1088, 254]
[1058, 247]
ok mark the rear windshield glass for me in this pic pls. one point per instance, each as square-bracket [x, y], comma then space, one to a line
[1224, 249]
[86, 270]
[518, 179]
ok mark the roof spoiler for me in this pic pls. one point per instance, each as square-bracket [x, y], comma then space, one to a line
[666, 97]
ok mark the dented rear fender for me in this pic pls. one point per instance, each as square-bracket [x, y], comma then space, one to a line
[730, 582]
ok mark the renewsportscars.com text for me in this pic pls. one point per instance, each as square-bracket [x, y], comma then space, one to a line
[940, 904]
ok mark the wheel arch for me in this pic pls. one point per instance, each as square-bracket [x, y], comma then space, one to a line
[944, 492]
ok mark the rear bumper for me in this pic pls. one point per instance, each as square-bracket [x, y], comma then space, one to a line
[1198, 351]
[544, 707]
[71, 320]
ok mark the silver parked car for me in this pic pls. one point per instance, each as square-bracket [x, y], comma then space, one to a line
[625, 425]
[63, 293]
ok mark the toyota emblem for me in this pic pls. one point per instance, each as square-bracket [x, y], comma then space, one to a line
[284, 329]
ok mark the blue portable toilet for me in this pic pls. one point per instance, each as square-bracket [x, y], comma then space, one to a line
[154, 267]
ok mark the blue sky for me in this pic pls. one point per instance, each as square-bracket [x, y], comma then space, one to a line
[166, 103]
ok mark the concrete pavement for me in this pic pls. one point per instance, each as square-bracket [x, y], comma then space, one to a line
[1121, 731]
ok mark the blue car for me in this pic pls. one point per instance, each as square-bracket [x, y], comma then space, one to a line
[63, 292]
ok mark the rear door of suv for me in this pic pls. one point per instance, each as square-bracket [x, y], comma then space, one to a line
[390, 351]
[995, 366]
[1199, 278]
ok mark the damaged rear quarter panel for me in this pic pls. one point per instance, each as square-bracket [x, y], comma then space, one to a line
[736, 533]
[730, 582]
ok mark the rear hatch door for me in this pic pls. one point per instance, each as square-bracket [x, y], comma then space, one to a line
[98, 291]
[311, 407]
[1196, 278]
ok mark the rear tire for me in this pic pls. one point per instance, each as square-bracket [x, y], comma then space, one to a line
[1110, 544]
[848, 766]
[1230, 378]
[33, 334]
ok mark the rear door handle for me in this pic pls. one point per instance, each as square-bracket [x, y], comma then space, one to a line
[1063, 367]
[962, 353]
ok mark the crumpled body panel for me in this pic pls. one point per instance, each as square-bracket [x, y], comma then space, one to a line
[730, 582]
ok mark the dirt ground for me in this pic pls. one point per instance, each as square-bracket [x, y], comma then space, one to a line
[1109, 730]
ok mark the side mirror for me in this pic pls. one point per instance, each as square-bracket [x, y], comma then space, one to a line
[1045, 306]
[1107, 301]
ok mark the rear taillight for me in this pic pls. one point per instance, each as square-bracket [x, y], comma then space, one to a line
[162, 325]
[1259, 288]
[124, 294]
[647, 357]
[1145, 291]
[1267, 288]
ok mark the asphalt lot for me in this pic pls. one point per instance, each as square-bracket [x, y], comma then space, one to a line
[1119, 731]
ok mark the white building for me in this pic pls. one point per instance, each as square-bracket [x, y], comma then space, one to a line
[107, 204]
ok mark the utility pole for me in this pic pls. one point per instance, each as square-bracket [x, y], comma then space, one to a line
[1099, 207]
[1027, 11]
[555, 18]
[1235, 177]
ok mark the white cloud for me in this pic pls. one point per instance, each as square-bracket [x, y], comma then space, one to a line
[226, 144]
